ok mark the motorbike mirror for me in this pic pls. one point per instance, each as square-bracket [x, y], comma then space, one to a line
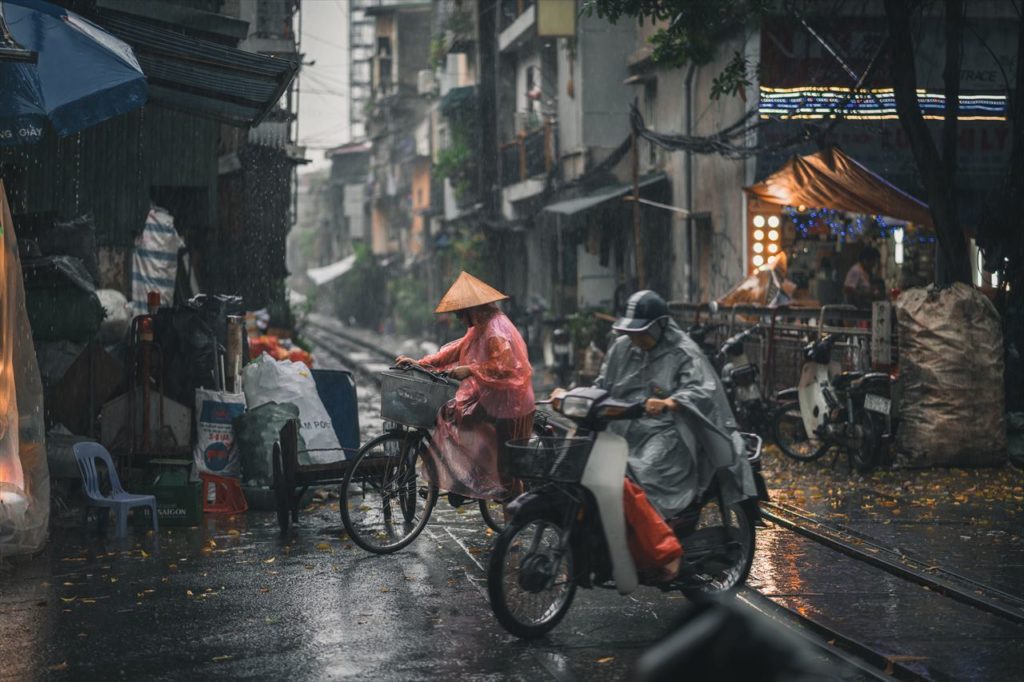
[713, 307]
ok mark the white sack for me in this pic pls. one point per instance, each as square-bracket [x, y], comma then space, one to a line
[282, 381]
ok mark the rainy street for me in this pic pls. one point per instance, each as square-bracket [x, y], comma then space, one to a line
[400, 340]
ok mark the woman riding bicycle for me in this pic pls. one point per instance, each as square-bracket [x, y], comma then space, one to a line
[494, 403]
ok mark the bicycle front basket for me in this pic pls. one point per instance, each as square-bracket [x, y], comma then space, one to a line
[548, 458]
[413, 399]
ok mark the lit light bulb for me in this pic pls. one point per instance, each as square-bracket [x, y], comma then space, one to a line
[773, 221]
[758, 261]
[759, 221]
[801, 208]
[773, 236]
[758, 247]
[758, 235]
[772, 248]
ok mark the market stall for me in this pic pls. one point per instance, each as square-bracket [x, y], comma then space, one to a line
[822, 209]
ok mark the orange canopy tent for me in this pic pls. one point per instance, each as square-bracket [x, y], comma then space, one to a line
[831, 179]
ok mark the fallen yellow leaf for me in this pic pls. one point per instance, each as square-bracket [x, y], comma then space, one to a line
[270, 560]
[605, 659]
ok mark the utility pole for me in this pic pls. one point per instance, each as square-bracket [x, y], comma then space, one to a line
[638, 244]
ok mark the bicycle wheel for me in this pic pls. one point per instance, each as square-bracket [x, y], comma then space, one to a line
[383, 504]
[530, 580]
[493, 512]
[791, 436]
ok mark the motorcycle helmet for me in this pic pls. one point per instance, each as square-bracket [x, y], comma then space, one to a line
[643, 309]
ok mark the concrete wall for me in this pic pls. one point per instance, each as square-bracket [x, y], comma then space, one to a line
[717, 182]
[603, 49]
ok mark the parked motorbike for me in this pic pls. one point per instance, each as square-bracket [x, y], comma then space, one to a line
[569, 531]
[850, 411]
[740, 378]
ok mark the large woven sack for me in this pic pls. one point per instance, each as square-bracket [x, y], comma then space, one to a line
[951, 379]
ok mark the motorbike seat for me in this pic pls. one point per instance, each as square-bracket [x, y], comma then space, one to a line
[846, 378]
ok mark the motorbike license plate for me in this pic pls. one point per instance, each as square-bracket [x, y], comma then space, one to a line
[561, 349]
[877, 403]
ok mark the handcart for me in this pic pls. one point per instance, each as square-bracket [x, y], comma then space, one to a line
[291, 479]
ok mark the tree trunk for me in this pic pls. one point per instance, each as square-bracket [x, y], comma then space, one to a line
[952, 258]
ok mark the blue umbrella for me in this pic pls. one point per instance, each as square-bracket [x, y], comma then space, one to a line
[83, 75]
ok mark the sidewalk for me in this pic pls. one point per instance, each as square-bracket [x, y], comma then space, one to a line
[965, 520]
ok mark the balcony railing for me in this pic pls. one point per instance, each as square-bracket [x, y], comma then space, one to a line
[531, 154]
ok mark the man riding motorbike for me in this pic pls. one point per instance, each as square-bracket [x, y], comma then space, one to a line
[687, 435]
[494, 402]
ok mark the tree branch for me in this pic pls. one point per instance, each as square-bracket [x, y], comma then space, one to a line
[952, 263]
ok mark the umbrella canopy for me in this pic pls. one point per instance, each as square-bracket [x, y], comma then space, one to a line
[831, 179]
[83, 75]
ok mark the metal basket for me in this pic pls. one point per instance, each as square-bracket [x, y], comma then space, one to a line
[413, 398]
[548, 458]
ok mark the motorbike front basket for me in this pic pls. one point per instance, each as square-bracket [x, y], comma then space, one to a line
[547, 458]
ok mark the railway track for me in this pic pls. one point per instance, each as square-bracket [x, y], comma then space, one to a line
[868, 660]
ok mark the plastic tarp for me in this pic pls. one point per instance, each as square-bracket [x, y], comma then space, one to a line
[155, 261]
[24, 475]
[333, 271]
[951, 391]
[831, 179]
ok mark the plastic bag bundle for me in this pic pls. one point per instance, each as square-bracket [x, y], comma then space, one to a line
[267, 380]
[24, 475]
[951, 397]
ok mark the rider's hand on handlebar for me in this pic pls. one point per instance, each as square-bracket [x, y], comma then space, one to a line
[656, 406]
[557, 393]
[459, 373]
[405, 361]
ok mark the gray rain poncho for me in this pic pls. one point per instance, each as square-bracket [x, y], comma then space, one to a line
[674, 456]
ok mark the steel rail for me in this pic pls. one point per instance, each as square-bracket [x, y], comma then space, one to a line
[851, 651]
[895, 562]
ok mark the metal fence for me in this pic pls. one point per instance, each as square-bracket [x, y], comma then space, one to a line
[784, 331]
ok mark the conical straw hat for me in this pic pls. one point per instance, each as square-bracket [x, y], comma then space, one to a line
[468, 292]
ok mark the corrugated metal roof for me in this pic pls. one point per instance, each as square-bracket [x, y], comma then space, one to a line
[203, 77]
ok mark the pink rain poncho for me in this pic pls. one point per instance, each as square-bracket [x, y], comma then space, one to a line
[492, 406]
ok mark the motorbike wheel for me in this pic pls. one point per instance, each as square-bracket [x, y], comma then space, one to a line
[719, 569]
[791, 436]
[529, 589]
[866, 456]
[383, 505]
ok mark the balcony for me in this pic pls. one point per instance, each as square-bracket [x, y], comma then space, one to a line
[531, 155]
[518, 21]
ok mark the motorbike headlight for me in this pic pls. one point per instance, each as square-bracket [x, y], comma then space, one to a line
[576, 406]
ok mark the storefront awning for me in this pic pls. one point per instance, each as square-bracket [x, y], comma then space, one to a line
[201, 76]
[333, 271]
[597, 197]
[831, 179]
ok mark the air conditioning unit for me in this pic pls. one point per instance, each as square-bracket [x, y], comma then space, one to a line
[426, 83]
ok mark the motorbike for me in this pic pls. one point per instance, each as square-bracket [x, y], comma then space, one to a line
[740, 378]
[849, 411]
[569, 529]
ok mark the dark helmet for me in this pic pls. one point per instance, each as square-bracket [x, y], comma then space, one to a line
[643, 309]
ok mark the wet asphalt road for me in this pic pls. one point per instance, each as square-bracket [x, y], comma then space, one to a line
[233, 599]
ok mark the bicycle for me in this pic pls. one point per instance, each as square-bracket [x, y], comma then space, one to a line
[385, 504]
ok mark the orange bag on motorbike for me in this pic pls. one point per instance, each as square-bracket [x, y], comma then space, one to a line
[651, 542]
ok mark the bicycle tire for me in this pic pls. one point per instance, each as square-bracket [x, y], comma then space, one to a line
[383, 477]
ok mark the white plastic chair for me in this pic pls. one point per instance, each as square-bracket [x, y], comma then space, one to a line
[86, 454]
